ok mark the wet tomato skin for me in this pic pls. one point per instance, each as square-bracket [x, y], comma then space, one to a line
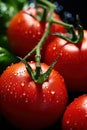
[75, 116]
[72, 64]
[29, 105]
[25, 32]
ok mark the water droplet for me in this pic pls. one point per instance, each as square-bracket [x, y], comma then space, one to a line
[52, 92]
[45, 85]
[86, 115]
[85, 104]
[44, 101]
[11, 92]
[43, 95]
[67, 122]
[15, 95]
[26, 32]
[22, 84]
[26, 101]
[38, 25]
[8, 89]
[48, 92]
[9, 86]
[6, 86]
[24, 94]
[75, 123]
[30, 32]
[57, 101]
[54, 48]
[33, 36]
[15, 74]
[39, 33]
[10, 83]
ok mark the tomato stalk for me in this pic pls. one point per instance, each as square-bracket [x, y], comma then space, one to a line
[73, 37]
[37, 75]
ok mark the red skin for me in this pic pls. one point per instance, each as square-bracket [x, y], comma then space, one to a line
[75, 116]
[73, 62]
[29, 105]
[24, 32]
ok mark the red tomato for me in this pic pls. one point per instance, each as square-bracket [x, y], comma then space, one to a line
[29, 105]
[73, 62]
[24, 31]
[75, 116]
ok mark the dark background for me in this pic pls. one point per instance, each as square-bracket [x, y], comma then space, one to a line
[70, 8]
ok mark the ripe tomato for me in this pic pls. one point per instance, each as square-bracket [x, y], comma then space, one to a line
[73, 62]
[29, 105]
[24, 31]
[75, 116]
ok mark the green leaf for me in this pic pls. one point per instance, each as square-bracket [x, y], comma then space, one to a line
[6, 59]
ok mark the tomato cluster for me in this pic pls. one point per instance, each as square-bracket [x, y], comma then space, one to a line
[61, 98]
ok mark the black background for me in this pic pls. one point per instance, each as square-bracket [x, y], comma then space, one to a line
[74, 7]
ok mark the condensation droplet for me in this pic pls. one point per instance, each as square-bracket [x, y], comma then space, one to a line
[15, 95]
[38, 25]
[15, 74]
[22, 84]
[26, 101]
[33, 36]
[30, 32]
[86, 115]
[11, 92]
[43, 95]
[26, 32]
[8, 89]
[57, 101]
[44, 101]
[9, 86]
[24, 94]
[39, 33]
[75, 123]
[54, 48]
[48, 92]
[67, 122]
[10, 83]
[52, 92]
[45, 85]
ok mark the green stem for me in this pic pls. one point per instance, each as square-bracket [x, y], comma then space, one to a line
[47, 3]
[73, 37]
[70, 27]
[38, 48]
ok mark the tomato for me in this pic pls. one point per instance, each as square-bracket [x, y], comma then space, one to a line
[24, 31]
[75, 116]
[29, 105]
[72, 64]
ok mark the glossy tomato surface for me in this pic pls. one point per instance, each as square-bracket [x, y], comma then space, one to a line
[24, 31]
[75, 116]
[72, 64]
[29, 105]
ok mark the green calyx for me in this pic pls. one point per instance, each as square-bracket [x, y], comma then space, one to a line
[38, 76]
